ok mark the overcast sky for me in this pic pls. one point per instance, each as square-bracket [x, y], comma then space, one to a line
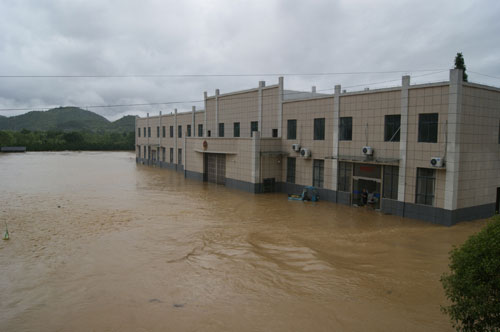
[95, 37]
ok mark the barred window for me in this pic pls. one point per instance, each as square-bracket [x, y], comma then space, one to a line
[318, 172]
[179, 156]
[426, 179]
[200, 130]
[179, 131]
[189, 130]
[157, 131]
[163, 131]
[171, 131]
[138, 132]
[391, 176]
[344, 176]
[149, 131]
[171, 155]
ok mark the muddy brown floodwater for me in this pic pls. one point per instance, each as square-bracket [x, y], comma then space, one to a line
[99, 243]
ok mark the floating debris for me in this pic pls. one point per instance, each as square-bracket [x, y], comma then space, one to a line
[178, 305]
[6, 234]
[155, 301]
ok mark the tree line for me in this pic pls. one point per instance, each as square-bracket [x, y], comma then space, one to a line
[54, 140]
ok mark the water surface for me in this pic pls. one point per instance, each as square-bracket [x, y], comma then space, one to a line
[99, 243]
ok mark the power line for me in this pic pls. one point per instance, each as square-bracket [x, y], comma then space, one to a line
[220, 75]
[202, 100]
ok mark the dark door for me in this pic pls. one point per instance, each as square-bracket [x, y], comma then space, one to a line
[215, 168]
[497, 209]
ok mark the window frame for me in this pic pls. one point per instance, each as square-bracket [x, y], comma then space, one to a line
[188, 128]
[390, 131]
[291, 128]
[344, 176]
[345, 128]
[200, 130]
[236, 129]
[318, 179]
[319, 129]
[425, 180]
[172, 131]
[426, 132]
[390, 182]
[254, 126]
[221, 129]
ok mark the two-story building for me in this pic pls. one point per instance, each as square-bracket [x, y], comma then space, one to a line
[425, 151]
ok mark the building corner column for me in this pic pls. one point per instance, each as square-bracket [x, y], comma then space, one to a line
[260, 127]
[280, 105]
[176, 136]
[403, 137]
[255, 158]
[335, 150]
[453, 130]
[216, 113]
[205, 115]
[193, 122]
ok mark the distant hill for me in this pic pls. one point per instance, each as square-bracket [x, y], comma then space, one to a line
[66, 119]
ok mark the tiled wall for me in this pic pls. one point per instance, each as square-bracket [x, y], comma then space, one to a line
[479, 146]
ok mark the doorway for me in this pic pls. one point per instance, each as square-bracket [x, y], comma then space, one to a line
[373, 192]
[497, 208]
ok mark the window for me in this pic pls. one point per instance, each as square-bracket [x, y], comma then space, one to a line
[200, 130]
[345, 129]
[138, 151]
[236, 130]
[221, 130]
[149, 152]
[163, 153]
[209, 133]
[171, 155]
[391, 175]
[138, 132]
[149, 131]
[392, 128]
[275, 132]
[499, 132]
[189, 130]
[318, 171]
[179, 156]
[144, 132]
[157, 131]
[319, 129]
[428, 127]
[164, 131]
[179, 131]
[144, 152]
[426, 179]
[290, 170]
[171, 131]
[344, 176]
[254, 126]
[291, 129]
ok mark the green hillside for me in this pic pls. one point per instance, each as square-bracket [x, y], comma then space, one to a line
[65, 119]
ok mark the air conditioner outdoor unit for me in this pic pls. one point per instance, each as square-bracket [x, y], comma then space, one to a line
[296, 147]
[367, 150]
[305, 153]
[437, 162]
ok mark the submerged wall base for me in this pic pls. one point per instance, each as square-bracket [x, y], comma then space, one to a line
[389, 206]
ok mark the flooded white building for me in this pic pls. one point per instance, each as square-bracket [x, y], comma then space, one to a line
[425, 151]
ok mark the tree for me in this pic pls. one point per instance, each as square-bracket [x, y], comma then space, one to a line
[473, 286]
[460, 64]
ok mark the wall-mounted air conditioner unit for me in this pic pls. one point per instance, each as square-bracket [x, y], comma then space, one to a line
[437, 162]
[305, 153]
[296, 147]
[367, 150]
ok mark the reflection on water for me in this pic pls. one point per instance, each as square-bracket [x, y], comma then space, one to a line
[98, 243]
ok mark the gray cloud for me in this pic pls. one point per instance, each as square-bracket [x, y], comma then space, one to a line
[213, 37]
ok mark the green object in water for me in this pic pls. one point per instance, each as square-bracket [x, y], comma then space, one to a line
[6, 234]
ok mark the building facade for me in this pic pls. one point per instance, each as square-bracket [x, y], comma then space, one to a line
[428, 151]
